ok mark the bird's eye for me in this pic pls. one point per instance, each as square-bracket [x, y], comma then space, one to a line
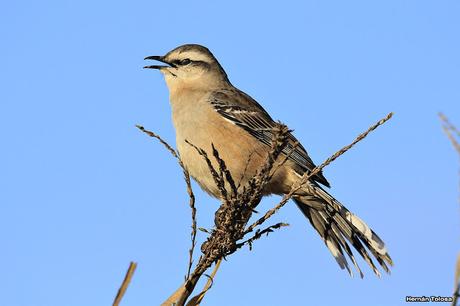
[185, 61]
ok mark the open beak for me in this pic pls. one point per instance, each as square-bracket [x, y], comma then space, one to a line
[159, 59]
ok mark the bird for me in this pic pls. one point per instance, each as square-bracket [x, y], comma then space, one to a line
[207, 110]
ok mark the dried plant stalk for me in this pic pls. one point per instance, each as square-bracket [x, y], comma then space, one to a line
[125, 283]
[196, 300]
[232, 217]
[193, 209]
[456, 294]
[453, 133]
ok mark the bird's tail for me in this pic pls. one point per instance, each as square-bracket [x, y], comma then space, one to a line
[339, 228]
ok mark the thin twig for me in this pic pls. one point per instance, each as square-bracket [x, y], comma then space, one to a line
[340, 152]
[225, 172]
[452, 139]
[125, 284]
[218, 180]
[260, 233]
[152, 134]
[452, 132]
[449, 125]
[193, 208]
[245, 170]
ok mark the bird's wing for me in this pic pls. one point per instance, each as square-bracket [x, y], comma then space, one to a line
[243, 111]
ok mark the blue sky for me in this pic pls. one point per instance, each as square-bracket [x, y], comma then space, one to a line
[83, 192]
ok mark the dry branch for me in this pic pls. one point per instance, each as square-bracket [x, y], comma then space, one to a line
[259, 233]
[125, 283]
[232, 217]
[452, 132]
[152, 134]
[193, 209]
[196, 300]
[456, 294]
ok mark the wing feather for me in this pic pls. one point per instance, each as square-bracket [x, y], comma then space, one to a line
[240, 109]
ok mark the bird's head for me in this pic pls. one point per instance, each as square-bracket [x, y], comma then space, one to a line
[190, 65]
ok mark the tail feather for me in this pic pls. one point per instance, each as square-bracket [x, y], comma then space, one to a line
[334, 245]
[338, 228]
[345, 245]
[337, 233]
[353, 237]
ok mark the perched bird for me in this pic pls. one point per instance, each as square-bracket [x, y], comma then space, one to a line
[207, 109]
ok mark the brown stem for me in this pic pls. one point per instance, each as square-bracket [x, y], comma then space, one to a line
[189, 287]
[125, 284]
[233, 215]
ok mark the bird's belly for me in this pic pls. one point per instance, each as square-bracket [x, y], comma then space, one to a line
[238, 152]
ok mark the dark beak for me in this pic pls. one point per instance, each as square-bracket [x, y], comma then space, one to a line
[157, 58]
